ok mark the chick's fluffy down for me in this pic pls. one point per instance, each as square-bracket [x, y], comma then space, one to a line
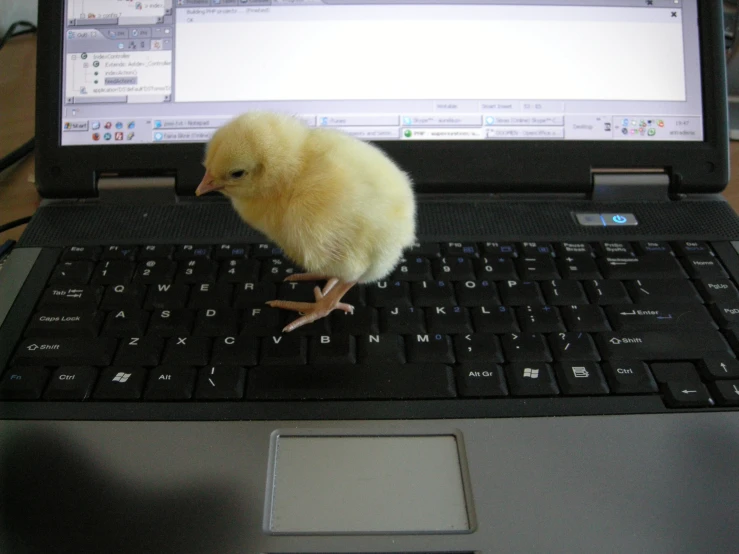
[336, 205]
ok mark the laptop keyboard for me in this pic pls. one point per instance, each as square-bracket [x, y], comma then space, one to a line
[455, 320]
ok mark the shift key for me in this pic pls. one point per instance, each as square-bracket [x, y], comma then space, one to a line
[677, 344]
[65, 352]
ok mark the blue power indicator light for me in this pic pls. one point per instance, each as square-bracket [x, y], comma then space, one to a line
[619, 219]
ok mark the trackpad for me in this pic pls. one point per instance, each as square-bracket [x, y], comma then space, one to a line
[367, 484]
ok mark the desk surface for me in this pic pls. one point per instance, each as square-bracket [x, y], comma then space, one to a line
[18, 197]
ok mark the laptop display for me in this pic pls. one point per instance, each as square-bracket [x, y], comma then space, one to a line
[175, 70]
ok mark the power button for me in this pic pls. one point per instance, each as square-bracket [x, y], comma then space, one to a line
[619, 220]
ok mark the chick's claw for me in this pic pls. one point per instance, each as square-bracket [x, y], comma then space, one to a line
[327, 301]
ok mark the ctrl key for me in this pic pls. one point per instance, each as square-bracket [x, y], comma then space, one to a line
[23, 383]
[71, 383]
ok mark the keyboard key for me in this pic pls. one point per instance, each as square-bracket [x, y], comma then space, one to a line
[261, 322]
[170, 323]
[389, 293]
[412, 269]
[139, 351]
[320, 326]
[628, 317]
[667, 372]
[187, 351]
[481, 380]
[704, 266]
[424, 249]
[588, 318]
[494, 319]
[235, 351]
[650, 266]
[170, 383]
[538, 268]
[453, 268]
[654, 247]
[230, 251]
[381, 348]
[629, 377]
[459, 249]
[216, 322]
[351, 382]
[286, 349]
[65, 351]
[718, 290]
[520, 293]
[363, 320]
[668, 291]
[525, 347]
[578, 346]
[539, 319]
[199, 270]
[580, 378]
[726, 393]
[448, 320]
[253, 294]
[500, 249]
[333, 349]
[605, 292]
[294, 291]
[496, 269]
[402, 321]
[209, 295]
[220, 382]
[23, 383]
[265, 250]
[615, 249]
[120, 383]
[155, 251]
[167, 296]
[192, 252]
[275, 270]
[678, 343]
[531, 379]
[125, 322]
[578, 266]
[119, 252]
[83, 296]
[719, 367]
[527, 249]
[478, 347]
[687, 395]
[71, 383]
[65, 323]
[476, 293]
[430, 349]
[690, 247]
[155, 271]
[81, 253]
[72, 273]
[123, 296]
[564, 249]
[432, 293]
[239, 271]
[563, 293]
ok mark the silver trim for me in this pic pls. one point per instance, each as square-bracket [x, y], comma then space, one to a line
[13, 276]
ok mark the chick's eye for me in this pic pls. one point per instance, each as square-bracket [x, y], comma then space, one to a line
[237, 174]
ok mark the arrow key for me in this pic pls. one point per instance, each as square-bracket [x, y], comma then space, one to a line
[684, 394]
[719, 367]
[726, 392]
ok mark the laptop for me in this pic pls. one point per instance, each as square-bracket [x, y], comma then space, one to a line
[551, 368]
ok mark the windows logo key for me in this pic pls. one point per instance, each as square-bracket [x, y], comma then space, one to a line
[121, 377]
[531, 373]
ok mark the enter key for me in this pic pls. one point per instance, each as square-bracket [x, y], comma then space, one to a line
[637, 317]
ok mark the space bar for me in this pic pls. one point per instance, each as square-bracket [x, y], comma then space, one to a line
[350, 382]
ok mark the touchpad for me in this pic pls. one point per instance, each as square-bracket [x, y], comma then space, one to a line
[367, 484]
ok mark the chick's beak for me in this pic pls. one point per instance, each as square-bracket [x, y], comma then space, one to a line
[208, 184]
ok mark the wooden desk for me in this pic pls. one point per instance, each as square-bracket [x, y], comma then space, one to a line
[18, 197]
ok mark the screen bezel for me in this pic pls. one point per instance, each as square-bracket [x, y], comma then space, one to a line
[435, 166]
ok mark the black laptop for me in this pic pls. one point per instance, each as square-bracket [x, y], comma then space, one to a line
[552, 368]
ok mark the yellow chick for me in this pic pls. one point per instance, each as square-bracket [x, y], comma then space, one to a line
[336, 206]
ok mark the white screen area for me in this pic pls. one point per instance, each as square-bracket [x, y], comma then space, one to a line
[432, 52]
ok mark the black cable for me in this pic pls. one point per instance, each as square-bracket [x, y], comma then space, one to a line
[15, 30]
[16, 223]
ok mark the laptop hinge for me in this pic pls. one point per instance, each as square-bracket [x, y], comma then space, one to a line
[631, 185]
[138, 190]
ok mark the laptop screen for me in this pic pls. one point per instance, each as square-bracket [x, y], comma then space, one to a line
[165, 71]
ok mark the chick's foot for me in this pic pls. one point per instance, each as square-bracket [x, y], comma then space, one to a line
[327, 301]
